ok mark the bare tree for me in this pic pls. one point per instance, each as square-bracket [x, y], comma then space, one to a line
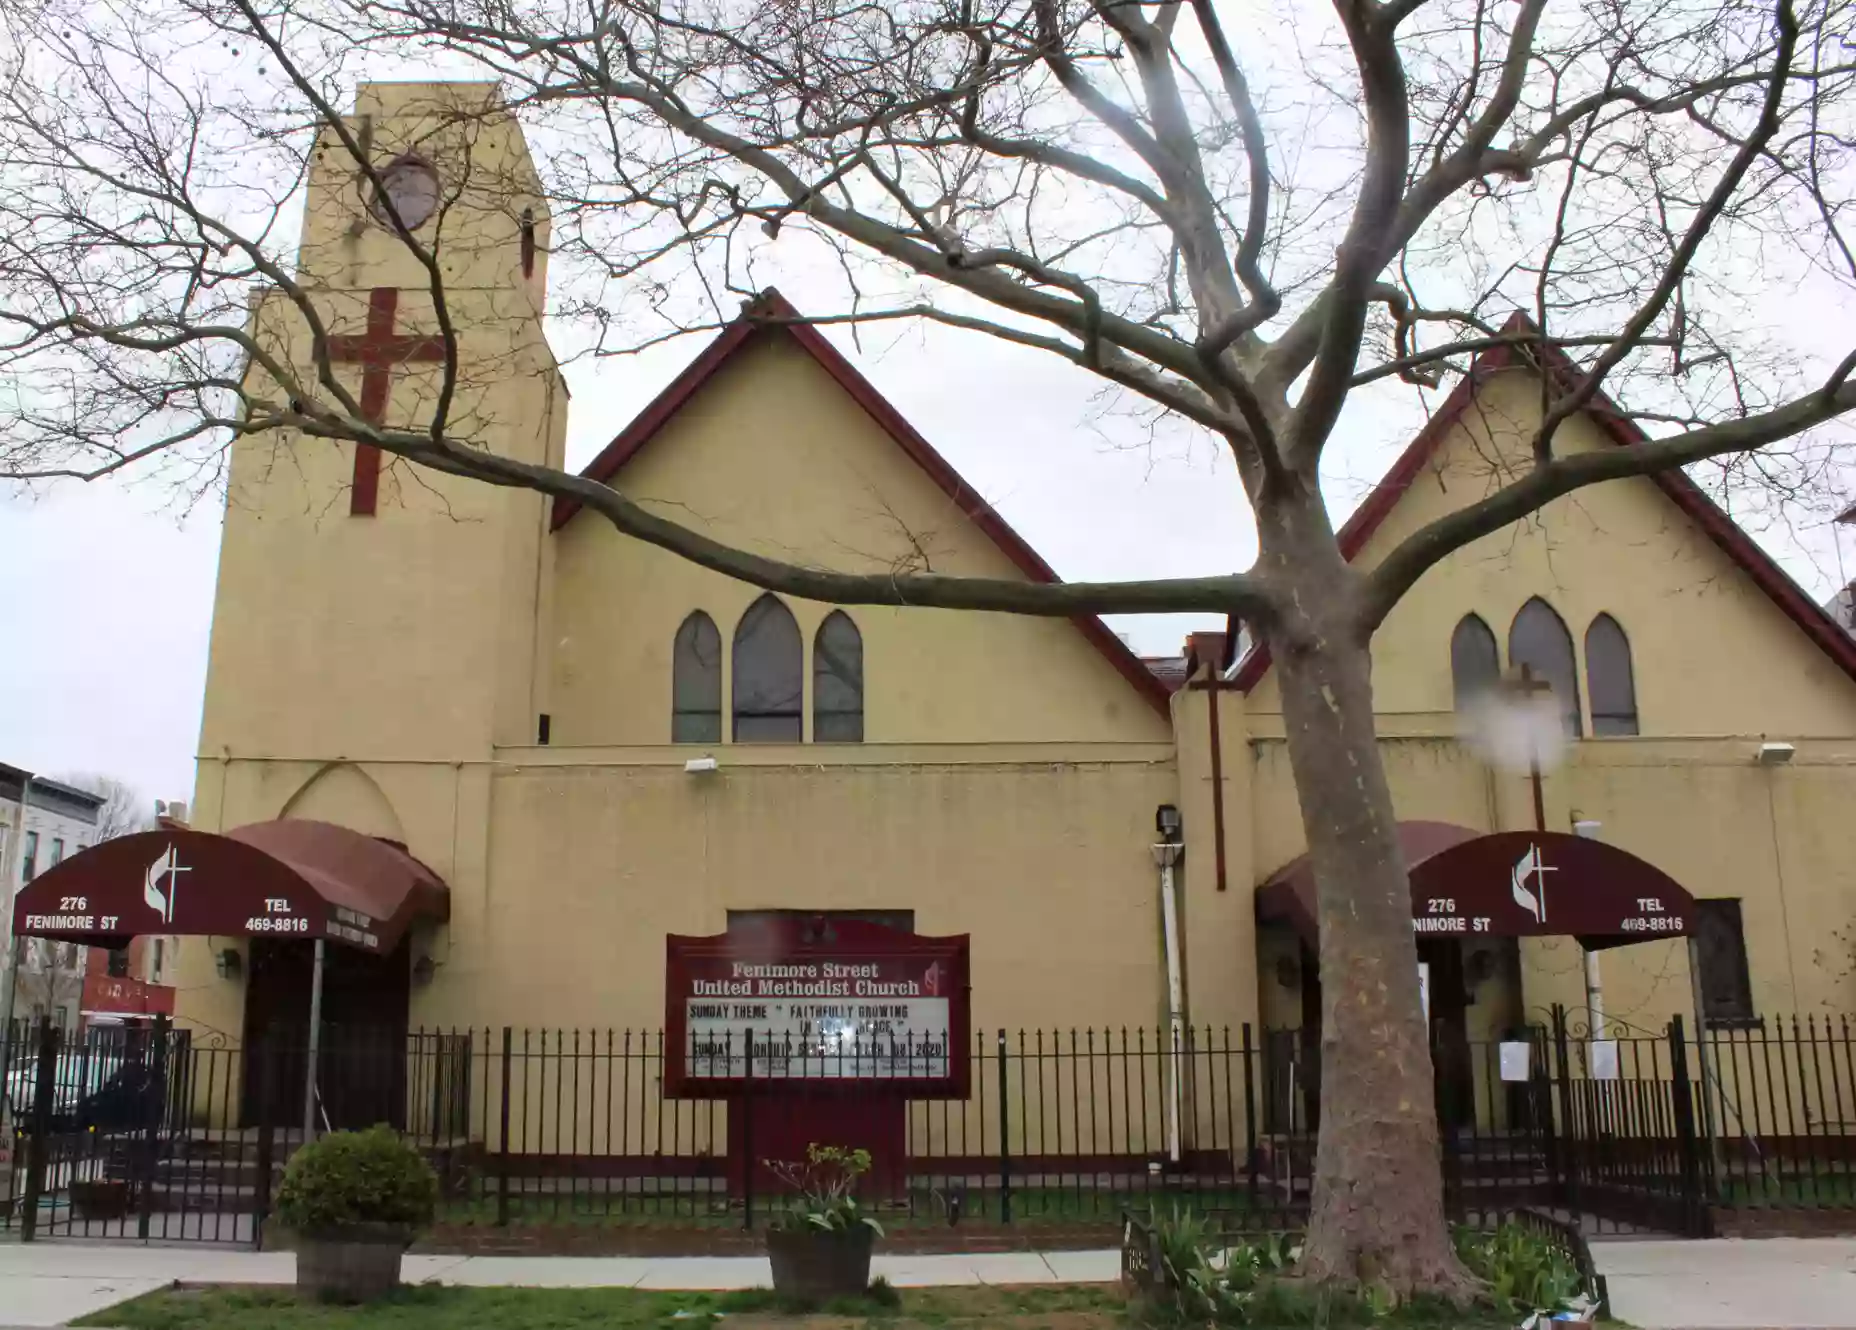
[124, 811]
[1236, 216]
[51, 981]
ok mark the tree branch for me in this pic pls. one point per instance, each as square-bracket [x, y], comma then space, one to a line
[1297, 347]
[1699, 226]
[1424, 548]
[1338, 317]
[1239, 592]
[1264, 299]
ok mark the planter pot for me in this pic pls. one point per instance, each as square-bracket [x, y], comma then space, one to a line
[100, 1200]
[816, 1264]
[354, 1264]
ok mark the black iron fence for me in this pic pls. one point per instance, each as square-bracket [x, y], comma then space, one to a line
[172, 1134]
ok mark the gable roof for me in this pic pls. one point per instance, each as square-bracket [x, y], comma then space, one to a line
[774, 316]
[1620, 430]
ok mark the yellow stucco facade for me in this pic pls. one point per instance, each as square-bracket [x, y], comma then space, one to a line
[389, 672]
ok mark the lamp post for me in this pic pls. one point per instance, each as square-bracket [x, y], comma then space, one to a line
[1167, 851]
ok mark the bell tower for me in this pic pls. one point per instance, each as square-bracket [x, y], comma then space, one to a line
[369, 609]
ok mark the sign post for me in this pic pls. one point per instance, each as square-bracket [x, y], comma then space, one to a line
[315, 1043]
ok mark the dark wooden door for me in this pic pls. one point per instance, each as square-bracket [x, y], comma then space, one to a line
[1450, 1059]
[362, 1062]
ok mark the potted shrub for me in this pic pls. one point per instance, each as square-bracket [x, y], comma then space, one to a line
[355, 1200]
[820, 1244]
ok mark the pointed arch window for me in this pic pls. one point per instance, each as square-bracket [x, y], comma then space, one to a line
[1609, 680]
[1475, 666]
[1538, 641]
[769, 688]
[696, 682]
[838, 681]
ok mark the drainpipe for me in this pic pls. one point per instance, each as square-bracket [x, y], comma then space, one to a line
[1594, 983]
[1168, 852]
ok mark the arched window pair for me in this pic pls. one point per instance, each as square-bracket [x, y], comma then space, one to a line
[1538, 641]
[769, 673]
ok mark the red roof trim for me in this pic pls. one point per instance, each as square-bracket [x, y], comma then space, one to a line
[645, 425]
[1726, 534]
[743, 330]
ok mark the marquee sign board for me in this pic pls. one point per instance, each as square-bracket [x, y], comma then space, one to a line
[838, 1002]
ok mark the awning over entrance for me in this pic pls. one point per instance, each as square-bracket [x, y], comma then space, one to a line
[290, 878]
[1509, 884]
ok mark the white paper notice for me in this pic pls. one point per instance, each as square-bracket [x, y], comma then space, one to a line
[1604, 1059]
[1517, 1059]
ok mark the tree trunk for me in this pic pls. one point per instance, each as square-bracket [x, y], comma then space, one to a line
[1377, 1215]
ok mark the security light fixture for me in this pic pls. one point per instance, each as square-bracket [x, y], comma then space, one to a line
[700, 766]
[1775, 754]
[1168, 824]
[229, 963]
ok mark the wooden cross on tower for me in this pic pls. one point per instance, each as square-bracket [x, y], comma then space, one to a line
[378, 351]
[1526, 686]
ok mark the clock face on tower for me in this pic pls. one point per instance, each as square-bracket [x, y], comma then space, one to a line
[412, 186]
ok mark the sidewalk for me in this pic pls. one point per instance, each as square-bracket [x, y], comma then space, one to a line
[48, 1284]
[1732, 1283]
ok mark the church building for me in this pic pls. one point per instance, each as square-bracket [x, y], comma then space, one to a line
[513, 750]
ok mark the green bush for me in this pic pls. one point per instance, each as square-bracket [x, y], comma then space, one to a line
[1524, 1271]
[1224, 1282]
[1211, 1280]
[357, 1177]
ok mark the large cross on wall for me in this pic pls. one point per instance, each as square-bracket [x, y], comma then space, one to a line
[377, 352]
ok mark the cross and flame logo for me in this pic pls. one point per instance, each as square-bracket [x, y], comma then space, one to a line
[1529, 867]
[166, 868]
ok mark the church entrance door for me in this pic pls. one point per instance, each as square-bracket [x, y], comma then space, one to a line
[1448, 993]
[361, 1074]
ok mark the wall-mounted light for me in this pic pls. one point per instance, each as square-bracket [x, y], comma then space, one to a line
[1775, 754]
[423, 969]
[1169, 824]
[229, 963]
[1587, 828]
[700, 766]
[1288, 973]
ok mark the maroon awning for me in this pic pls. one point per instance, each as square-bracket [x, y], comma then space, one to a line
[1509, 884]
[290, 878]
